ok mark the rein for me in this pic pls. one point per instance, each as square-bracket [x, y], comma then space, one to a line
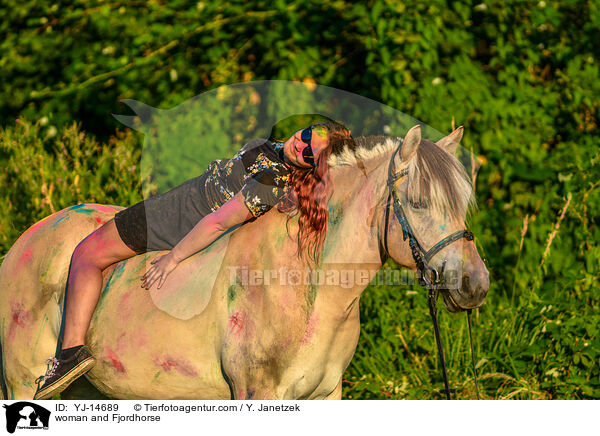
[428, 274]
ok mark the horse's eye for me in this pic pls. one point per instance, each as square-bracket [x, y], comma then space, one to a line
[418, 205]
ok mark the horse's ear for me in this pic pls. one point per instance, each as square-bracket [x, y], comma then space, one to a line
[411, 143]
[450, 142]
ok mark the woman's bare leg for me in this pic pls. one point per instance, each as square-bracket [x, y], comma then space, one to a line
[101, 248]
[97, 251]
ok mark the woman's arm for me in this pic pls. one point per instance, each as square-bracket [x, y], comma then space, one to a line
[209, 228]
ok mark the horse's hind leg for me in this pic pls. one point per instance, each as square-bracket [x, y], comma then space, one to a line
[33, 277]
[27, 343]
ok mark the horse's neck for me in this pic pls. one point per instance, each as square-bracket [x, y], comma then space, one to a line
[352, 234]
[351, 243]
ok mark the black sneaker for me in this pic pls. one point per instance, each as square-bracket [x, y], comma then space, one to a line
[61, 373]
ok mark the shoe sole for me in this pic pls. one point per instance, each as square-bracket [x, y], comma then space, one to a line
[63, 383]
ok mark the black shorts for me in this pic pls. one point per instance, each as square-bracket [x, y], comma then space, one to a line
[160, 222]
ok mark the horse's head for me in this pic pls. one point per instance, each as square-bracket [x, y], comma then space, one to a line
[434, 194]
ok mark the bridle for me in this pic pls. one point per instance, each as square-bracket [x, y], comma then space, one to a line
[428, 274]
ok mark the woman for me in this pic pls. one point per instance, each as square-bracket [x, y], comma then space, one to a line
[185, 220]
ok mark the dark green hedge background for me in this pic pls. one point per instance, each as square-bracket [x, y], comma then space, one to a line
[522, 77]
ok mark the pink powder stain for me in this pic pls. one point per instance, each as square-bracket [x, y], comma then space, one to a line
[125, 308]
[121, 342]
[131, 341]
[241, 394]
[140, 339]
[287, 342]
[311, 327]
[237, 322]
[19, 317]
[99, 221]
[184, 368]
[116, 363]
[125, 298]
[31, 230]
[25, 258]
[103, 208]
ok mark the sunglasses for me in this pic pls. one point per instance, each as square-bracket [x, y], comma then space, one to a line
[307, 153]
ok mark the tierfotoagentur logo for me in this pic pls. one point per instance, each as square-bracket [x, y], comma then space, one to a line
[344, 276]
[26, 415]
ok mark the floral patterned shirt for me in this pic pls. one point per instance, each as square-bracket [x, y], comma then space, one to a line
[258, 170]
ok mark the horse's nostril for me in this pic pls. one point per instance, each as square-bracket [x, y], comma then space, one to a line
[466, 282]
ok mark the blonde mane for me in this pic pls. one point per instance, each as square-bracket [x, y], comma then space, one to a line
[436, 178]
[367, 148]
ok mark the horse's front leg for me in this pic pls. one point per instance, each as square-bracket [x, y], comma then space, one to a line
[250, 393]
[251, 373]
[336, 394]
[251, 382]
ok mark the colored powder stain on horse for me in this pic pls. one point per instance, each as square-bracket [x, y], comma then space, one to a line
[85, 211]
[26, 258]
[287, 343]
[122, 342]
[280, 242]
[66, 218]
[311, 327]
[79, 208]
[237, 322]
[115, 275]
[167, 363]
[335, 214]
[125, 299]
[19, 317]
[31, 230]
[139, 339]
[233, 292]
[114, 359]
[311, 295]
[103, 208]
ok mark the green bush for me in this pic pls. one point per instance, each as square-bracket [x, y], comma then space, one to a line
[521, 76]
[45, 171]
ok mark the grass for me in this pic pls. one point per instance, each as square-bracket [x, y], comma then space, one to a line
[537, 341]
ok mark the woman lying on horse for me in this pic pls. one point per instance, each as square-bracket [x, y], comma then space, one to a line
[291, 174]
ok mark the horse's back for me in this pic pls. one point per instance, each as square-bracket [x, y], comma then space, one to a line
[33, 275]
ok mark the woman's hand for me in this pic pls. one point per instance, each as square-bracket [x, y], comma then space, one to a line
[161, 268]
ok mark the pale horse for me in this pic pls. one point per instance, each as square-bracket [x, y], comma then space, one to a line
[236, 320]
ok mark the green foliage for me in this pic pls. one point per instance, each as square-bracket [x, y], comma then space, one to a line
[521, 76]
[45, 171]
[75, 60]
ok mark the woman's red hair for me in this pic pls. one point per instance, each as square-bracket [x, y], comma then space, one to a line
[310, 193]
